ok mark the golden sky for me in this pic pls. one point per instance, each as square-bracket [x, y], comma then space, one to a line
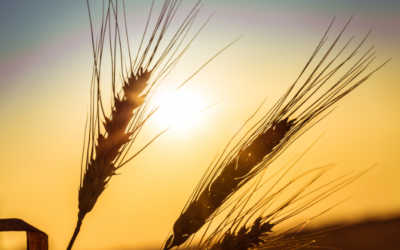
[45, 72]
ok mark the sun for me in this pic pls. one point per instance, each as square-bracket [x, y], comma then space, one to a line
[180, 110]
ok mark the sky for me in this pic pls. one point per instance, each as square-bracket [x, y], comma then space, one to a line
[45, 72]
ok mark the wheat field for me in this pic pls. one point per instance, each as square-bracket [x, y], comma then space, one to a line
[46, 68]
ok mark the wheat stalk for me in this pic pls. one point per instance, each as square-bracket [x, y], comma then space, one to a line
[289, 118]
[107, 145]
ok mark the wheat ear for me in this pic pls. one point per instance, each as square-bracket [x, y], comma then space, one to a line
[245, 238]
[107, 145]
[100, 169]
[289, 118]
[244, 232]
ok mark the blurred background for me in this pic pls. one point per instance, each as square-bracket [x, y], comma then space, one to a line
[45, 72]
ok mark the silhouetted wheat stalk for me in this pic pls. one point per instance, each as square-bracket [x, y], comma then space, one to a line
[296, 111]
[109, 137]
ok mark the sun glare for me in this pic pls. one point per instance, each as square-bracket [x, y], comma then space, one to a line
[180, 110]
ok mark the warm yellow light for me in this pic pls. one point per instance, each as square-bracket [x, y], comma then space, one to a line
[180, 110]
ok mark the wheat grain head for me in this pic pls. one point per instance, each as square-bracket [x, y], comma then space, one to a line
[109, 137]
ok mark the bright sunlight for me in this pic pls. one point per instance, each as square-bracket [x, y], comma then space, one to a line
[180, 110]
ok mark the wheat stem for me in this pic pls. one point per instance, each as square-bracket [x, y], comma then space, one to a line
[76, 232]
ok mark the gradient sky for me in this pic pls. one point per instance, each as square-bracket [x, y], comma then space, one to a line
[45, 72]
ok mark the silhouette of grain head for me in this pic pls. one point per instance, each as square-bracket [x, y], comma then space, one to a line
[302, 106]
[108, 138]
[101, 168]
[233, 176]
[250, 225]
[246, 237]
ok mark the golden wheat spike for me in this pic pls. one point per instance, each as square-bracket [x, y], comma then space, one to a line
[108, 138]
